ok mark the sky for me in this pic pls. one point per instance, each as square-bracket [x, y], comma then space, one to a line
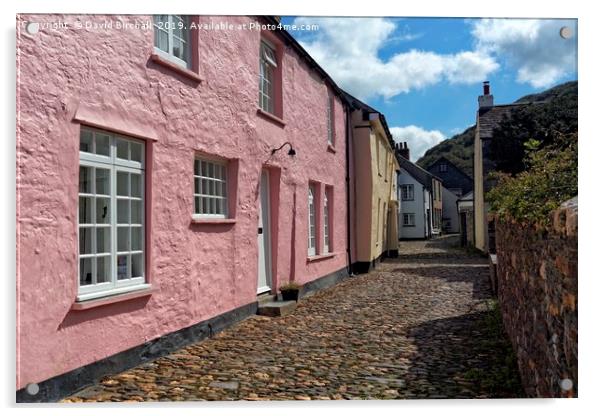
[425, 74]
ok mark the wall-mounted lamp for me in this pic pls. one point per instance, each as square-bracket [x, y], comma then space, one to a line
[291, 151]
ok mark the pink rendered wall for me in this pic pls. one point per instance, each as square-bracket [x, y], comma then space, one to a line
[198, 270]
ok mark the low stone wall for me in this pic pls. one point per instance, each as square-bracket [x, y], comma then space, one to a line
[537, 290]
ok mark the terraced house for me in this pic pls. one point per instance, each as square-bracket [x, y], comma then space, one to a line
[166, 178]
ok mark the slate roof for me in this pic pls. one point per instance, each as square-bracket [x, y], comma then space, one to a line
[446, 160]
[421, 175]
[490, 117]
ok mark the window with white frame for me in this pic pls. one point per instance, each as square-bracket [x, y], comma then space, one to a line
[267, 67]
[110, 214]
[326, 224]
[407, 192]
[172, 38]
[329, 119]
[409, 220]
[443, 167]
[311, 244]
[210, 188]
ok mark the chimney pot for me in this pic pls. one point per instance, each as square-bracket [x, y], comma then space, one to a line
[486, 100]
[486, 88]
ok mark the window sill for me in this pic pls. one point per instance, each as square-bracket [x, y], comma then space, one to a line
[176, 68]
[319, 257]
[271, 117]
[213, 220]
[109, 299]
[331, 148]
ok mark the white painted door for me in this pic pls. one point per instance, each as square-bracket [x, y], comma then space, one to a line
[263, 236]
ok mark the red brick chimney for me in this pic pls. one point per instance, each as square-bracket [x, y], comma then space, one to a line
[402, 149]
[486, 100]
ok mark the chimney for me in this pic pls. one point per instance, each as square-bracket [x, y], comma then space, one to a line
[404, 151]
[485, 100]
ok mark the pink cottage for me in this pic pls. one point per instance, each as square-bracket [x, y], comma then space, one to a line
[170, 169]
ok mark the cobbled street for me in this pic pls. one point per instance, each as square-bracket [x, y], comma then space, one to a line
[420, 326]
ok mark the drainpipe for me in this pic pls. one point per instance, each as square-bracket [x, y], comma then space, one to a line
[348, 184]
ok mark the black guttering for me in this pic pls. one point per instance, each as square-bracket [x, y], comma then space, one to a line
[290, 41]
[360, 105]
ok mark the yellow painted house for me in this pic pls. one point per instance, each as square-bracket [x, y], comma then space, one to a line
[488, 118]
[373, 187]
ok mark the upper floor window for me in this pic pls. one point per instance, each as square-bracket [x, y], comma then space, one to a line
[110, 214]
[210, 189]
[326, 221]
[443, 167]
[311, 243]
[407, 192]
[172, 38]
[267, 68]
[330, 119]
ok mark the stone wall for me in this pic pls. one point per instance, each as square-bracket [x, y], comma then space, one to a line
[537, 290]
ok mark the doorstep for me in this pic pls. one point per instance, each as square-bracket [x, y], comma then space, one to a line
[276, 308]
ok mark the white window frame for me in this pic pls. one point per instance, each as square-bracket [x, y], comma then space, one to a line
[267, 65]
[443, 167]
[407, 192]
[409, 219]
[220, 201]
[326, 225]
[168, 27]
[329, 119]
[311, 241]
[115, 165]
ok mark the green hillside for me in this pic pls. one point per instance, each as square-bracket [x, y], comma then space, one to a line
[458, 149]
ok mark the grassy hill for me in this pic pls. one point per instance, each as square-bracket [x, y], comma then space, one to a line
[459, 148]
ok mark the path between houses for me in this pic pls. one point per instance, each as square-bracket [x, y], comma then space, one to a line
[420, 326]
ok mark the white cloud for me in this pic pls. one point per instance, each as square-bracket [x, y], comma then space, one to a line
[348, 50]
[534, 47]
[419, 140]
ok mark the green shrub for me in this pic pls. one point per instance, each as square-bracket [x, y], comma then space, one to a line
[549, 180]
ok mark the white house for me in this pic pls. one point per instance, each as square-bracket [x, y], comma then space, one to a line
[415, 197]
[451, 221]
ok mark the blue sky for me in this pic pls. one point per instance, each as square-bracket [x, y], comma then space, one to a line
[425, 74]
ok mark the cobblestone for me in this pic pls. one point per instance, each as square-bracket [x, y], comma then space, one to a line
[414, 328]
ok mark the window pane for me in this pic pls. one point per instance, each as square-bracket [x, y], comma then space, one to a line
[178, 49]
[103, 269]
[122, 267]
[197, 186]
[205, 206]
[103, 210]
[85, 210]
[211, 188]
[122, 183]
[204, 168]
[136, 238]
[103, 184]
[123, 237]
[136, 188]
[122, 149]
[136, 151]
[197, 205]
[85, 180]
[205, 187]
[85, 240]
[85, 141]
[123, 211]
[137, 265]
[161, 40]
[85, 271]
[136, 212]
[103, 239]
[102, 144]
[197, 167]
